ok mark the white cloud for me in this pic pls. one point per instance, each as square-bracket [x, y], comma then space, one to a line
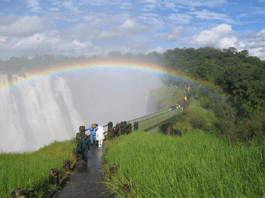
[170, 5]
[150, 1]
[34, 5]
[37, 41]
[3, 39]
[128, 24]
[226, 42]
[25, 26]
[125, 5]
[102, 29]
[175, 34]
[71, 6]
[7, 20]
[104, 3]
[128, 28]
[254, 43]
[158, 50]
[180, 18]
[222, 36]
[241, 46]
[153, 20]
[259, 52]
[75, 45]
[54, 9]
[200, 3]
[205, 14]
[150, 5]
[211, 37]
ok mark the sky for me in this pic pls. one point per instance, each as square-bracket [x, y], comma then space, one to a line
[98, 27]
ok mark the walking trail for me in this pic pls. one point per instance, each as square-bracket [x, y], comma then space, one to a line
[85, 182]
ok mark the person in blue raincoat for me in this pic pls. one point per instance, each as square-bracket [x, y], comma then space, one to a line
[93, 129]
[84, 145]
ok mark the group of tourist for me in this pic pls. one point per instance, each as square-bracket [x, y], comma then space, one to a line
[124, 128]
[96, 137]
[96, 134]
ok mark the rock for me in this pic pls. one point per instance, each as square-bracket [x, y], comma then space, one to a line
[19, 193]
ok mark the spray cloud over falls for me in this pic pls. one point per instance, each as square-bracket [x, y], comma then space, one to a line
[51, 108]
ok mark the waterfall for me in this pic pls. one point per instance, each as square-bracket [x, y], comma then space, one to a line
[35, 113]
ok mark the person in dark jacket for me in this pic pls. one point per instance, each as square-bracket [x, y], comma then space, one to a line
[124, 127]
[84, 145]
[116, 128]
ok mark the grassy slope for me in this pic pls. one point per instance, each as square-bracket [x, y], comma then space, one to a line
[28, 170]
[194, 165]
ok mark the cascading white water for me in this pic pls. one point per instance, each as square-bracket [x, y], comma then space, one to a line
[36, 113]
[51, 108]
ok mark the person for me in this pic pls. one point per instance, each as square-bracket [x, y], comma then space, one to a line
[100, 136]
[84, 145]
[93, 130]
[125, 127]
[116, 128]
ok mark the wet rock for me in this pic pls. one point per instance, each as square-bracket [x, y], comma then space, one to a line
[19, 193]
[73, 162]
[127, 188]
[135, 125]
[82, 128]
[129, 128]
[66, 166]
[113, 168]
[54, 176]
[78, 137]
[177, 132]
[120, 132]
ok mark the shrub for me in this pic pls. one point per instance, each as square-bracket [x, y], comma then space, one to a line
[201, 118]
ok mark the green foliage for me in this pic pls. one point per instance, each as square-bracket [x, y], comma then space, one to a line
[201, 118]
[240, 75]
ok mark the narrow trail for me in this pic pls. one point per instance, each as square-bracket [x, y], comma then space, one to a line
[85, 182]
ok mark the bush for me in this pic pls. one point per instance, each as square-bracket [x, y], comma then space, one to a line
[201, 118]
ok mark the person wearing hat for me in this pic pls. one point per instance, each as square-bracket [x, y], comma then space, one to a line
[93, 130]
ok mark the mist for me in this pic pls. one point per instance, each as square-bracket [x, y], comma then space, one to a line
[51, 108]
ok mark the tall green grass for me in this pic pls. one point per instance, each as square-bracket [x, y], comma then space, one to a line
[30, 170]
[194, 165]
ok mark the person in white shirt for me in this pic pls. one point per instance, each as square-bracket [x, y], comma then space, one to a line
[100, 136]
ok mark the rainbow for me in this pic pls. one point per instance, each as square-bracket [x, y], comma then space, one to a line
[92, 65]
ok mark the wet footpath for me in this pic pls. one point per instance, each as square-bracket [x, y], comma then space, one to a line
[86, 180]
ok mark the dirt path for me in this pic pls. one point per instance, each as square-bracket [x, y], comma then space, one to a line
[85, 182]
